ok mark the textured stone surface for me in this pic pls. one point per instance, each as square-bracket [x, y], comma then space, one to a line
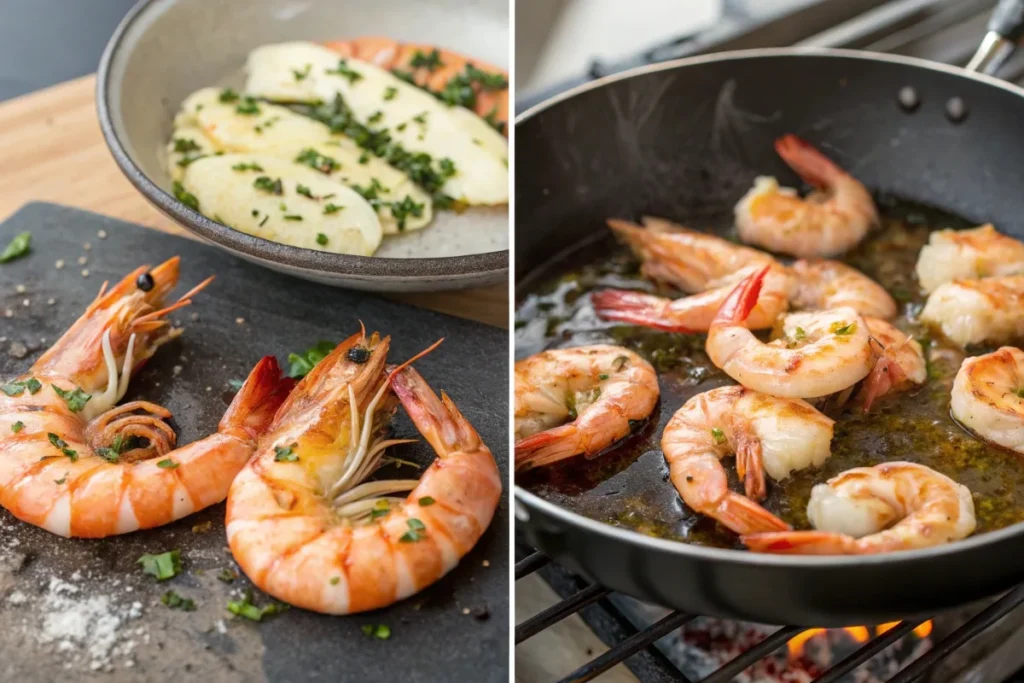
[432, 639]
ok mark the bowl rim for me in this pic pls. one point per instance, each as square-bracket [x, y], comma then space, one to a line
[321, 262]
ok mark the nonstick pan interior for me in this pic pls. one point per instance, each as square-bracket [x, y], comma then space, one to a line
[684, 141]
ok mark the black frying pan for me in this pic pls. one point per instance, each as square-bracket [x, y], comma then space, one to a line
[683, 140]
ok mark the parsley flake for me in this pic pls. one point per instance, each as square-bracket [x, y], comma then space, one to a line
[163, 566]
[18, 247]
[286, 454]
[76, 399]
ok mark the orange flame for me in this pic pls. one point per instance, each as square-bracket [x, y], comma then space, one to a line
[860, 634]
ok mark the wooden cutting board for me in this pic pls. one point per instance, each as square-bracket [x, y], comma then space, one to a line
[53, 151]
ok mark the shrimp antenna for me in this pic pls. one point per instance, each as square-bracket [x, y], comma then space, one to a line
[414, 359]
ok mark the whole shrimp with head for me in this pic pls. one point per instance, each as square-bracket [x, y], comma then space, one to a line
[305, 525]
[76, 464]
[768, 435]
[579, 400]
[830, 221]
[888, 507]
[818, 354]
[703, 265]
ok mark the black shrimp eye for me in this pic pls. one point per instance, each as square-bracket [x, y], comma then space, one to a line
[145, 282]
[357, 354]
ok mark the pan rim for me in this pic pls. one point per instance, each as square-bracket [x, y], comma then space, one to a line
[755, 53]
[746, 557]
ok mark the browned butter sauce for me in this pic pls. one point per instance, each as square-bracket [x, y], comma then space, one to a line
[627, 486]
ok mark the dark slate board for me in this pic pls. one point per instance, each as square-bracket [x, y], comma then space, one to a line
[432, 639]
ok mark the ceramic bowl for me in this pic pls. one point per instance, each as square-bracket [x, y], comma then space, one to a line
[164, 50]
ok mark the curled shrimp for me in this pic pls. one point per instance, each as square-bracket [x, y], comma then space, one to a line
[824, 284]
[988, 397]
[700, 264]
[305, 525]
[76, 464]
[900, 365]
[579, 400]
[767, 434]
[819, 353]
[968, 254]
[888, 507]
[830, 221]
[976, 311]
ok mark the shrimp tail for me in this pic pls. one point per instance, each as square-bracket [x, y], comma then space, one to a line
[544, 448]
[636, 308]
[810, 164]
[254, 406]
[742, 299]
[800, 543]
[744, 516]
[750, 467]
[886, 374]
[437, 419]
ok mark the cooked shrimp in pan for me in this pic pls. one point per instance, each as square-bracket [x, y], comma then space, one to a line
[76, 464]
[579, 400]
[767, 434]
[306, 527]
[823, 284]
[819, 354]
[892, 506]
[703, 265]
[830, 221]
[968, 255]
[900, 365]
[988, 397]
[976, 311]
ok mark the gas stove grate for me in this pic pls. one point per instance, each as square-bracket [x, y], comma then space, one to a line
[643, 640]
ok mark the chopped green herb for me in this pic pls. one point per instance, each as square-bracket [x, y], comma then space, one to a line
[175, 601]
[17, 426]
[344, 71]
[718, 435]
[321, 238]
[249, 107]
[62, 480]
[799, 334]
[329, 209]
[18, 247]
[227, 575]
[184, 196]
[246, 608]
[321, 162]
[163, 566]
[425, 501]
[364, 158]
[421, 118]
[379, 631]
[304, 191]
[431, 62]
[268, 184]
[301, 363]
[620, 362]
[300, 74]
[265, 218]
[842, 329]
[390, 92]
[415, 532]
[189, 158]
[492, 118]
[402, 126]
[76, 399]
[405, 208]
[375, 117]
[282, 454]
[381, 508]
[16, 387]
[167, 464]
[251, 166]
[186, 145]
[227, 95]
[602, 377]
[487, 81]
[335, 580]
[404, 75]
[293, 217]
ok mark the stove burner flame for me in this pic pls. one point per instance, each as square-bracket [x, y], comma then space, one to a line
[860, 634]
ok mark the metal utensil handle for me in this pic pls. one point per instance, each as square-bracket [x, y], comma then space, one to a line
[1005, 28]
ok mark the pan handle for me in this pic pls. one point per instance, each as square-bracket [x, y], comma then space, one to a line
[1005, 28]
